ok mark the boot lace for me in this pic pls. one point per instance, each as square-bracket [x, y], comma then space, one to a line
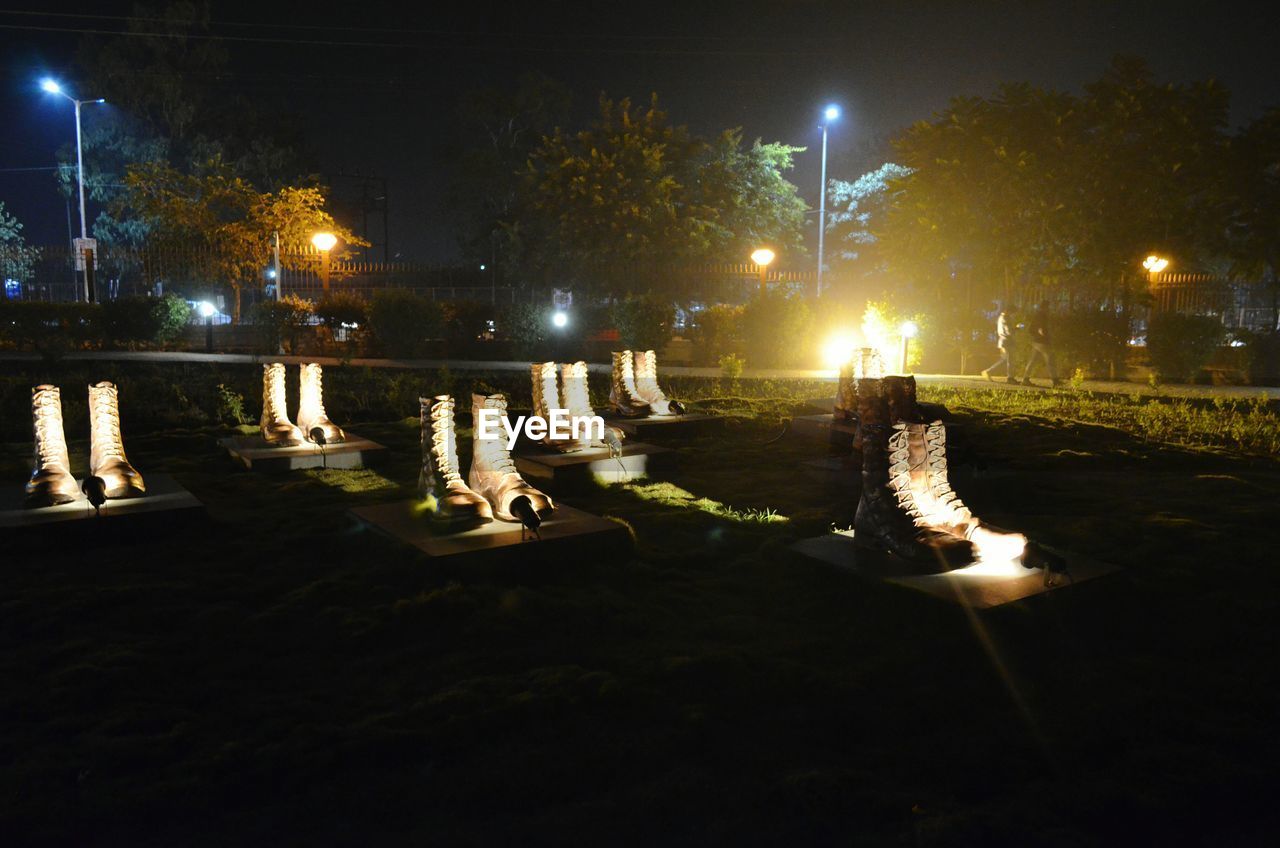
[278, 400]
[498, 457]
[577, 398]
[443, 453]
[50, 442]
[900, 475]
[947, 501]
[106, 418]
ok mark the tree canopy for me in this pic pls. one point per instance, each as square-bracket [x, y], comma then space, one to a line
[635, 189]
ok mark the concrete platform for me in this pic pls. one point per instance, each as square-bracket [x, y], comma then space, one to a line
[254, 453]
[667, 426]
[569, 533]
[165, 507]
[981, 586]
[563, 471]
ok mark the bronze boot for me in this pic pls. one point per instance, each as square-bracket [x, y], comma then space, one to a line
[888, 517]
[494, 476]
[107, 461]
[623, 395]
[446, 497]
[576, 395]
[311, 413]
[277, 429]
[646, 382]
[546, 400]
[51, 482]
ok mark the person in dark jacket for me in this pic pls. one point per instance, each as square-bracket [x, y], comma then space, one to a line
[1038, 329]
[1004, 334]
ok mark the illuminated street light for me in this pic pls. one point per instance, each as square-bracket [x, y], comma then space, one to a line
[908, 331]
[762, 256]
[831, 113]
[324, 243]
[1155, 264]
[560, 319]
[52, 87]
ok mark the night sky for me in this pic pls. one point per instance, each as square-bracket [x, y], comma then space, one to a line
[382, 101]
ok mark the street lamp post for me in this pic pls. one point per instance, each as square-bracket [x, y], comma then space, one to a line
[762, 257]
[324, 243]
[53, 87]
[831, 113]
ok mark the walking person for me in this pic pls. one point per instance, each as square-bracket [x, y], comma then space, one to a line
[1038, 329]
[1004, 333]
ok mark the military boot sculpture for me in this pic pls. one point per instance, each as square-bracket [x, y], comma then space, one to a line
[494, 476]
[575, 394]
[547, 398]
[448, 498]
[918, 457]
[51, 482]
[277, 429]
[313, 421]
[888, 517]
[107, 461]
[645, 363]
[624, 396]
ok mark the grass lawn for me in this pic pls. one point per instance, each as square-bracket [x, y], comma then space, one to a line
[282, 677]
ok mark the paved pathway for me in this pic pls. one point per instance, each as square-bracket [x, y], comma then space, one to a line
[954, 380]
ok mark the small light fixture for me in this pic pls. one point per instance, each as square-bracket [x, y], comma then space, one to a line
[908, 329]
[762, 256]
[207, 309]
[324, 242]
[560, 319]
[831, 113]
[50, 86]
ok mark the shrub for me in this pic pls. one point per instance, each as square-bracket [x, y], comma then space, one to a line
[643, 323]
[525, 325]
[338, 308]
[133, 321]
[717, 331]
[51, 329]
[171, 315]
[775, 330]
[280, 322]
[1090, 339]
[402, 321]
[467, 320]
[731, 366]
[1180, 345]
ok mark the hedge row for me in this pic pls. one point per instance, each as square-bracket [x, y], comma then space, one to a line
[128, 322]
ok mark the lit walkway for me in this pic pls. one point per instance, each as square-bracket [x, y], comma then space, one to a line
[974, 382]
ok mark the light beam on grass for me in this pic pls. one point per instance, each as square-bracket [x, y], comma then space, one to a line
[672, 495]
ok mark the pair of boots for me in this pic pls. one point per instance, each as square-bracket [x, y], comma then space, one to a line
[907, 505]
[634, 390]
[493, 488]
[110, 474]
[565, 388]
[313, 422]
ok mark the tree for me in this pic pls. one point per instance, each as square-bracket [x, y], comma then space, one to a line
[17, 259]
[500, 129]
[859, 206]
[635, 190]
[224, 220]
[156, 78]
[1252, 197]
